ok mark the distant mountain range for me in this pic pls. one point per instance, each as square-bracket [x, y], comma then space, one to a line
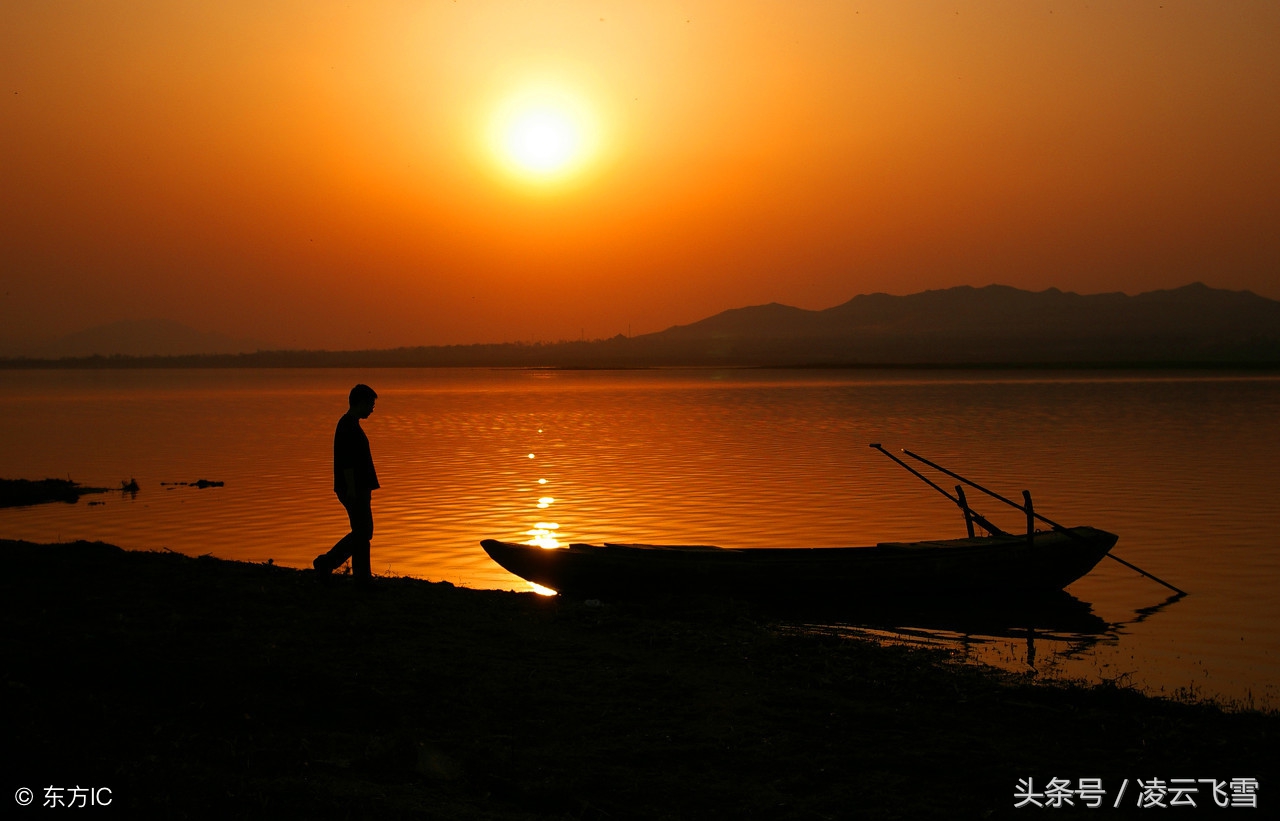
[995, 325]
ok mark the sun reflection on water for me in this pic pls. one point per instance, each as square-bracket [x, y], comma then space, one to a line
[543, 534]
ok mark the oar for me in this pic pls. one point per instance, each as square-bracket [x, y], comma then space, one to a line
[977, 486]
[969, 512]
[1030, 512]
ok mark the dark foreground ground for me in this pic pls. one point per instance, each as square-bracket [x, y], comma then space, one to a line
[206, 688]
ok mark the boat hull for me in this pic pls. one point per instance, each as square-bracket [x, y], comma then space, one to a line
[1004, 565]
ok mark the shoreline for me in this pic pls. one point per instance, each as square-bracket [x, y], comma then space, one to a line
[30, 492]
[380, 360]
[203, 687]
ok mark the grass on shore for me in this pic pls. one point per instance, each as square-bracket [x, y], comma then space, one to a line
[196, 687]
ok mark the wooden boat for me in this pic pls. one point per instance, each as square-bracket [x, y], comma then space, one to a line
[997, 565]
[1007, 565]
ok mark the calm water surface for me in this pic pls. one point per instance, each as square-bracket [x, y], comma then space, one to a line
[1183, 468]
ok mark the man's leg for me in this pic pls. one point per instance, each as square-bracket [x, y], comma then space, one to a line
[353, 545]
[346, 547]
[360, 512]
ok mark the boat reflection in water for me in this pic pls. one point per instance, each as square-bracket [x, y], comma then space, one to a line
[1031, 635]
[975, 629]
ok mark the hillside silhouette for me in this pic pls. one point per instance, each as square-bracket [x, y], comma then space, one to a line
[993, 325]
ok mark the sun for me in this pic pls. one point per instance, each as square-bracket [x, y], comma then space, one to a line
[542, 140]
[543, 135]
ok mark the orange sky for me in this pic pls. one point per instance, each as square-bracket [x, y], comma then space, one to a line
[320, 175]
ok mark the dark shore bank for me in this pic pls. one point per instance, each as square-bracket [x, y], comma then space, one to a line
[207, 688]
[23, 492]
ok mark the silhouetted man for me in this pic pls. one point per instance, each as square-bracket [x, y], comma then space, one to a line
[354, 480]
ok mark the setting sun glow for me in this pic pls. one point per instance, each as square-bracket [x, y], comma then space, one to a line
[542, 141]
[565, 170]
[542, 135]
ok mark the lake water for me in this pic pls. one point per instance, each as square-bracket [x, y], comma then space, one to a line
[1183, 468]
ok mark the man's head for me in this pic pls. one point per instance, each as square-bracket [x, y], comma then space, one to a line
[361, 400]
